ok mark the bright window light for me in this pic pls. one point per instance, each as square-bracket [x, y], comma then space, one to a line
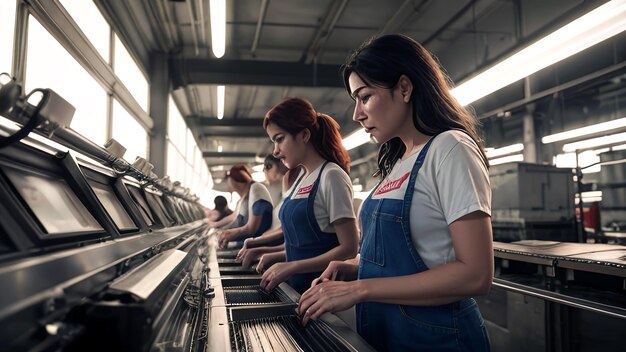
[595, 142]
[128, 71]
[256, 168]
[592, 28]
[619, 147]
[221, 91]
[584, 131]
[507, 159]
[218, 27]
[356, 139]
[357, 188]
[92, 23]
[509, 149]
[49, 65]
[129, 133]
[7, 25]
[258, 176]
[586, 158]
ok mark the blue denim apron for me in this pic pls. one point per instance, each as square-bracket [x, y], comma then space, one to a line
[303, 237]
[266, 220]
[387, 250]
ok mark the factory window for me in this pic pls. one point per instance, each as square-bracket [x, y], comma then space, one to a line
[184, 158]
[91, 22]
[7, 25]
[127, 70]
[129, 133]
[49, 65]
[585, 160]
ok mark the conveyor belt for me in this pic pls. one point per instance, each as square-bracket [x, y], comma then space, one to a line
[283, 333]
[252, 294]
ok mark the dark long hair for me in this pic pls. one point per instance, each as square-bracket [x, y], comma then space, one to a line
[381, 61]
[296, 114]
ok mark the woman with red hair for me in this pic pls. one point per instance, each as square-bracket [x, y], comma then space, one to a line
[254, 209]
[317, 217]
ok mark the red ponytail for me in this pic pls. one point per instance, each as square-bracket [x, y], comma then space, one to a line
[295, 114]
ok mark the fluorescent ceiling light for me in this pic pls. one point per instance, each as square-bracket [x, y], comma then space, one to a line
[356, 139]
[583, 131]
[509, 149]
[592, 28]
[595, 142]
[219, 149]
[218, 27]
[221, 91]
[507, 159]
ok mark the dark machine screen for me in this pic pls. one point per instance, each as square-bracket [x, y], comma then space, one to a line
[112, 204]
[141, 202]
[53, 202]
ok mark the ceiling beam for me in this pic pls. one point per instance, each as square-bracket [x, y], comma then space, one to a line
[202, 121]
[324, 31]
[448, 23]
[235, 134]
[259, 25]
[242, 155]
[187, 71]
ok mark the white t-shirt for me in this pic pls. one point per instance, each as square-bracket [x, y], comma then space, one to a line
[276, 211]
[276, 190]
[258, 192]
[452, 182]
[333, 200]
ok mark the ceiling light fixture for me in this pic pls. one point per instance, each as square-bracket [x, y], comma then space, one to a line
[595, 142]
[219, 149]
[507, 159]
[584, 131]
[592, 28]
[509, 149]
[218, 27]
[221, 91]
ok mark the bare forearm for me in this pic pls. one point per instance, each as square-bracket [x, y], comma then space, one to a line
[225, 221]
[319, 263]
[271, 237]
[445, 284]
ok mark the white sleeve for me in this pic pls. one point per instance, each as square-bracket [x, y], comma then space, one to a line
[258, 191]
[337, 194]
[463, 182]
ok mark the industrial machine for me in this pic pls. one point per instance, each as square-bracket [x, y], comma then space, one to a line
[532, 201]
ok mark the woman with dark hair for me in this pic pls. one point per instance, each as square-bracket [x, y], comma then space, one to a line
[317, 217]
[426, 245]
[274, 171]
[272, 240]
[254, 209]
[221, 209]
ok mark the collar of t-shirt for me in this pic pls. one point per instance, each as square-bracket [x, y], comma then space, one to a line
[395, 184]
[306, 185]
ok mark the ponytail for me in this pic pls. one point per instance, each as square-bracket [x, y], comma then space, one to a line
[327, 142]
[296, 114]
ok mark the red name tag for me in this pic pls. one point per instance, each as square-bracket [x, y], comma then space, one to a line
[391, 185]
[304, 190]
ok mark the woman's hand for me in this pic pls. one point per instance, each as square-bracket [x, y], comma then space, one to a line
[276, 274]
[328, 296]
[267, 260]
[225, 237]
[338, 270]
[247, 256]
